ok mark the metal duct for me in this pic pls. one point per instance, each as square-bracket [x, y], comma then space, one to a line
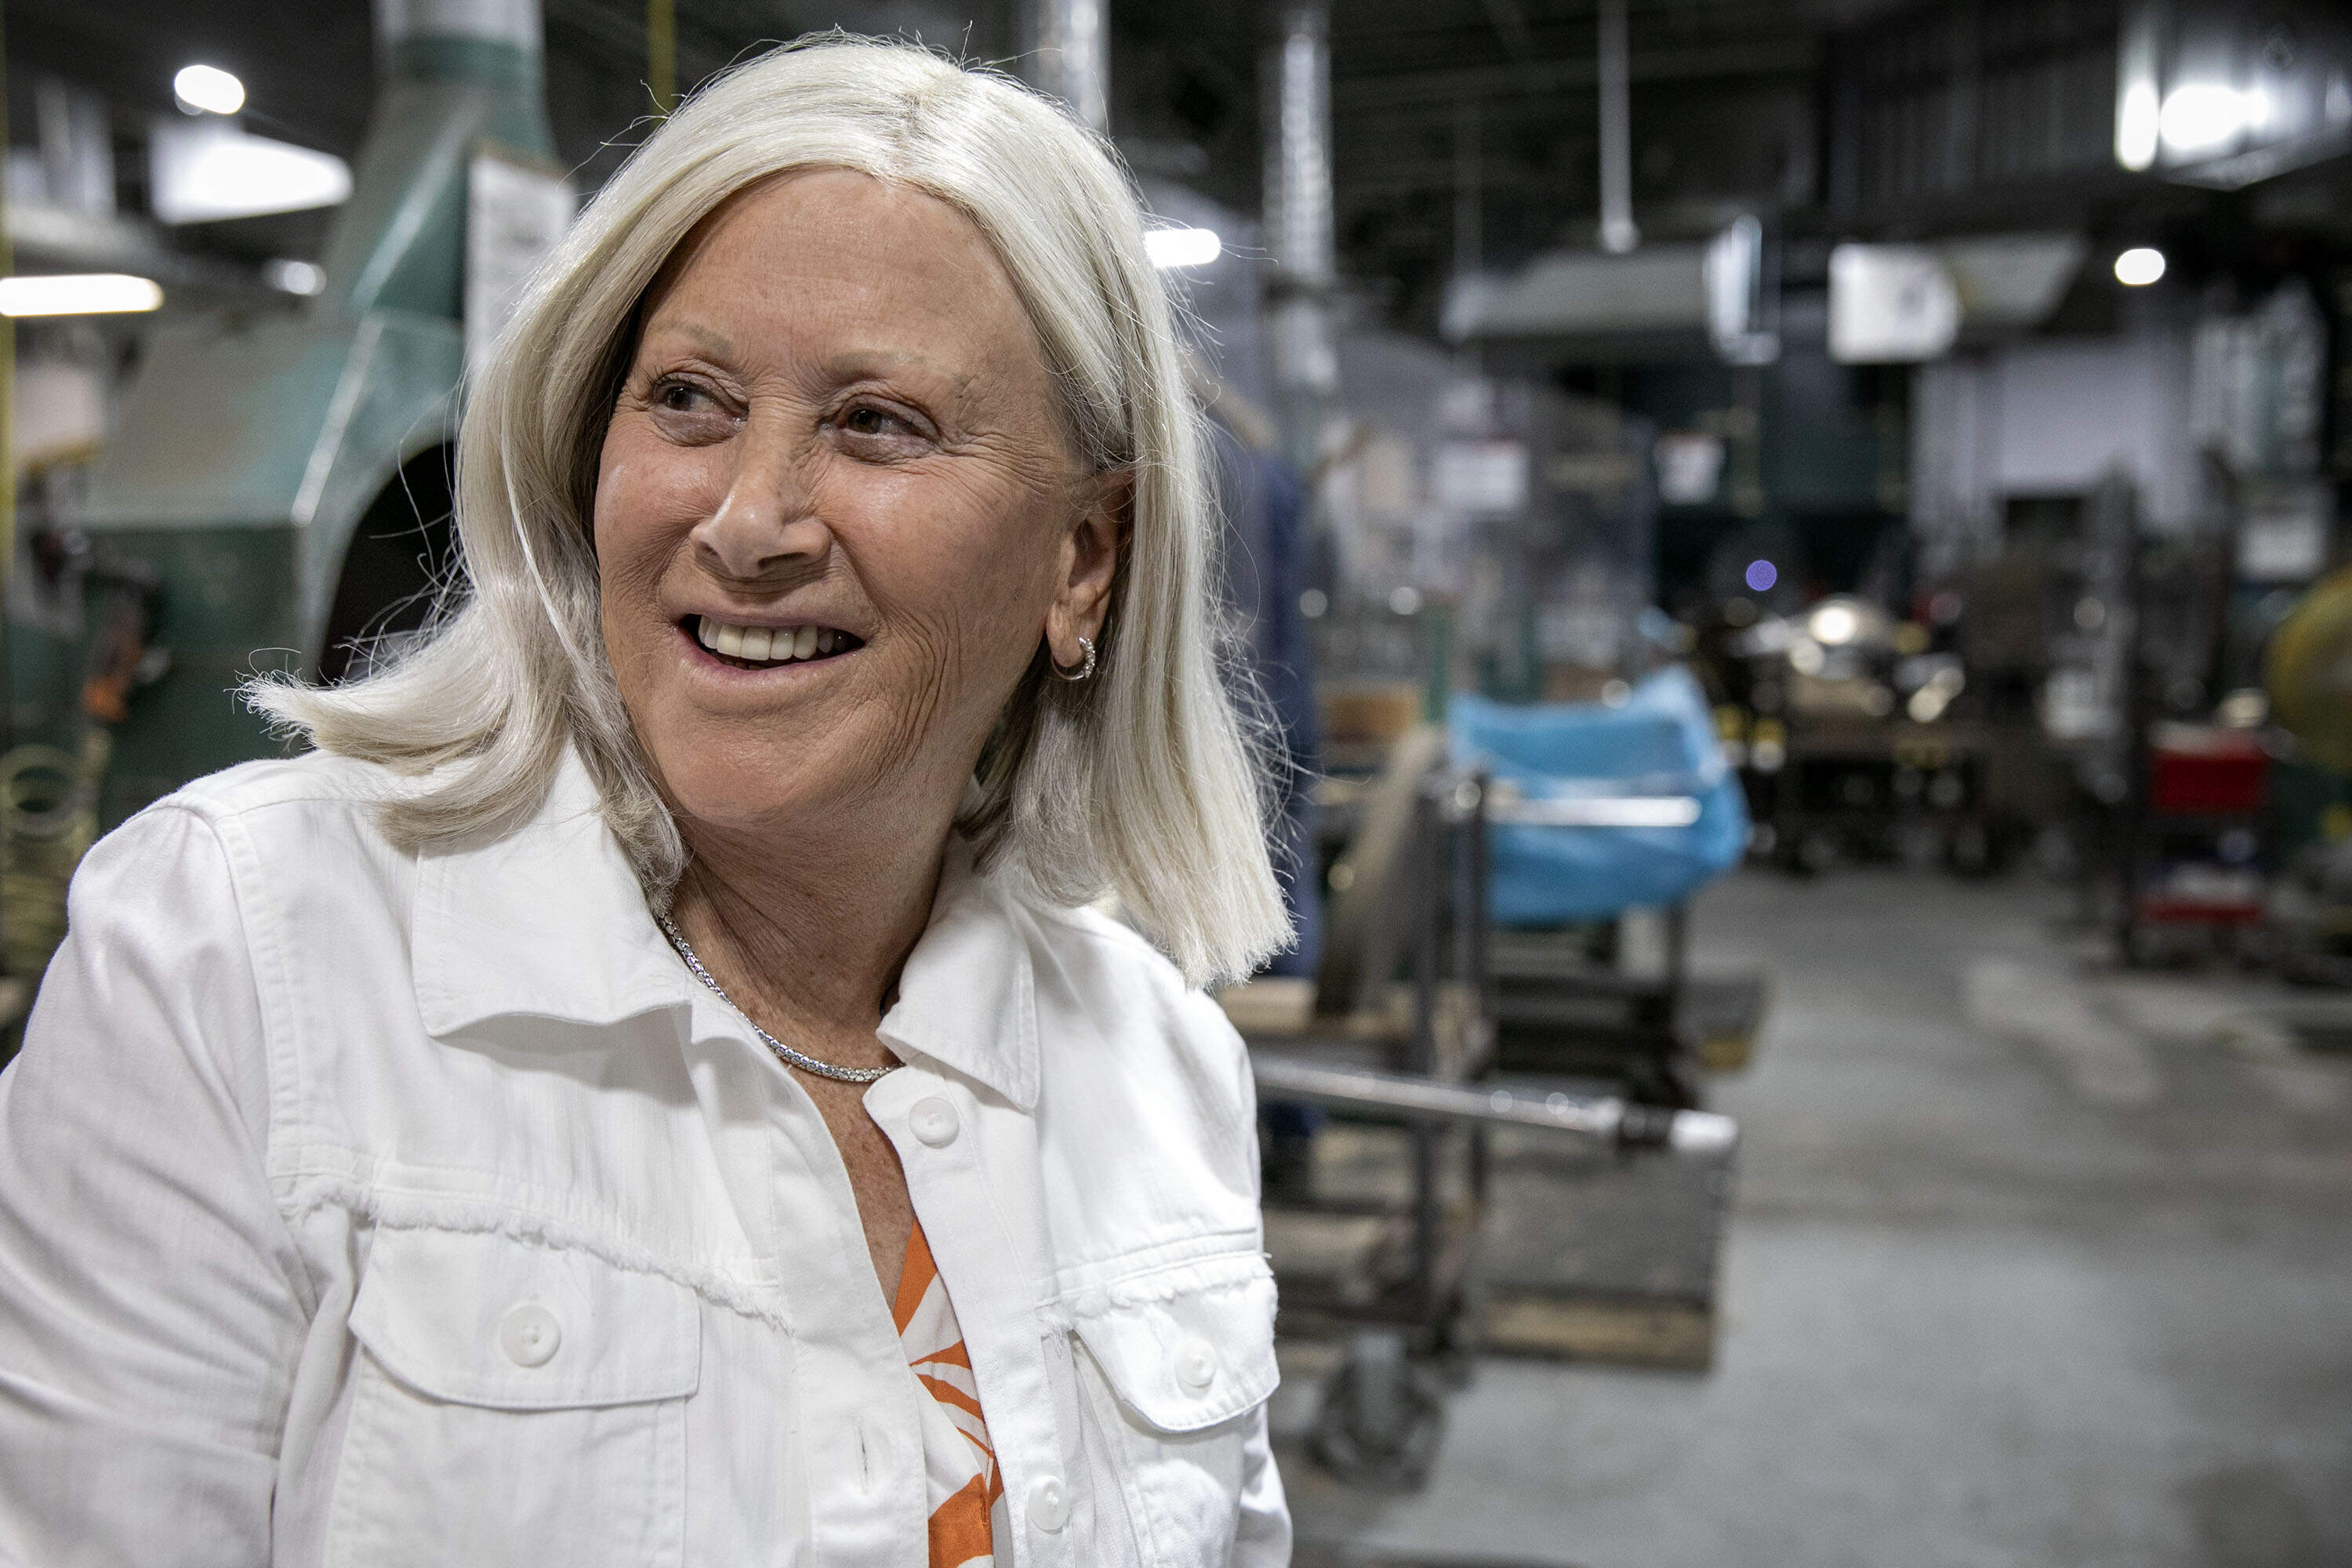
[1296, 81]
[512, 22]
[1065, 45]
[249, 452]
[1298, 156]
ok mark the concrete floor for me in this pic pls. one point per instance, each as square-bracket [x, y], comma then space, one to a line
[2030, 1264]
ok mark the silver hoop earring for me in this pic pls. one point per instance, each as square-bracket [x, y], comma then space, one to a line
[1085, 669]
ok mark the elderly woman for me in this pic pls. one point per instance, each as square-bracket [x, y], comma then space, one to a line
[646, 1088]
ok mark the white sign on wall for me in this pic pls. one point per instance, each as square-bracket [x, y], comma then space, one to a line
[515, 214]
[1891, 304]
[1481, 476]
[2283, 537]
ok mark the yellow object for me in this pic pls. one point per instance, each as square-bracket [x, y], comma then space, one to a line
[2308, 671]
[661, 54]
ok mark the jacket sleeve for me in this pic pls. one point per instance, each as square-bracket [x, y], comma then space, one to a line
[1262, 1537]
[152, 1301]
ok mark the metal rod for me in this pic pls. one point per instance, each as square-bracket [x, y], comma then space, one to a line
[8, 449]
[1618, 233]
[1431, 868]
[1469, 193]
[1491, 1104]
[1678, 961]
[1596, 811]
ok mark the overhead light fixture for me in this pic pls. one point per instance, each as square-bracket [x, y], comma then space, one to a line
[1835, 624]
[2139, 104]
[207, 90]
[2139, 267]
[2202, 117]
[77, 294]
[207, 169]
[2137, 118]
[1169, 247]
[305, 278]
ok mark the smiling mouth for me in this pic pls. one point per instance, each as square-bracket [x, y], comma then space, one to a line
[765, 648]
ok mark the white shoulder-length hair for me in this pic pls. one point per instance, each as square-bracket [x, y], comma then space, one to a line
[1143, 780]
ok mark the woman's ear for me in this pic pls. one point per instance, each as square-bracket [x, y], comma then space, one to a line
[1089, 565]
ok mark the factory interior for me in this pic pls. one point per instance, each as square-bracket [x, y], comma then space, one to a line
[1801, 554]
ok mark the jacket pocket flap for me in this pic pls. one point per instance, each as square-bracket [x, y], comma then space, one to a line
[480, 1318]
[1188, 1347]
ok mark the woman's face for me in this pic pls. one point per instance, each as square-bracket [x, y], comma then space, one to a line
[837, 508]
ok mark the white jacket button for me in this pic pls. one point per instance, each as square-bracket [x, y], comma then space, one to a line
[1049, 1504]
[934, 1121]
[529, 1334]
[1196, 1364]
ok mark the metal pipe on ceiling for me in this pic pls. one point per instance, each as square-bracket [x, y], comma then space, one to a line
[1296, 78]
[1065, 51]
[1618, 233]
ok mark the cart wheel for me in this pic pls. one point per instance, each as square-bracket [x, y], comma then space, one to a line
[1381, 1422]
[1816, 853]
[1972, 850]
[1454, 1359]
[1666, 1079]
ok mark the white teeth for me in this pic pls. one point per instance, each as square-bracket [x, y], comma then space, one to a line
[765, 645]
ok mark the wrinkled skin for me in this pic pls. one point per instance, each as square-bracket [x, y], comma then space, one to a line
[836, 413]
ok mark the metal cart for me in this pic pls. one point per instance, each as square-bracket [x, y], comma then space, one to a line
[1418, 1054]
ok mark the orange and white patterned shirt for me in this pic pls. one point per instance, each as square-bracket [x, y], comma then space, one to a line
[966, 1492]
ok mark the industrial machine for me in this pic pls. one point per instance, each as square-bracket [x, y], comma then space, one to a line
[286, 480]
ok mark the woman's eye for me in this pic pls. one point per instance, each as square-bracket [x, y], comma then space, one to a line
[678, 398]
[867, 420]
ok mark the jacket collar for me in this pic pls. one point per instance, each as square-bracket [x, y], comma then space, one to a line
[548, 921]
[968, 995]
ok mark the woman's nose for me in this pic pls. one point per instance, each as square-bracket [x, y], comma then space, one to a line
[769, 516]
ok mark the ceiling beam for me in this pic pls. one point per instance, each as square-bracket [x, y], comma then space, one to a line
[1389, 91]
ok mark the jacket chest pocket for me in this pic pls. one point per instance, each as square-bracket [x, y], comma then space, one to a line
[1175, 1367]
[513, 1404]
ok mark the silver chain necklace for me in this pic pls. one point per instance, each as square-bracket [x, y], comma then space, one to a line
[785, 1052]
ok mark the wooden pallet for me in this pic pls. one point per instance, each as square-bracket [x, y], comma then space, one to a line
[1670, 1336]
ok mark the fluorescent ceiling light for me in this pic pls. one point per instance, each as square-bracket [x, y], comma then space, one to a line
[2137, 116]
[2199, 117]
[207, 90]
[2139, 266]
[1182, 247]
[205, 170]
[77, 294]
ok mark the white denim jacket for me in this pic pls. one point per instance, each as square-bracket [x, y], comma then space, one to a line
[359, 1207]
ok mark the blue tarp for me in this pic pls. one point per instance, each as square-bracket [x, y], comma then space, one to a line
[1660, 741]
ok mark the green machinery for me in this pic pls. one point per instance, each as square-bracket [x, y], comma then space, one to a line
[279, 480]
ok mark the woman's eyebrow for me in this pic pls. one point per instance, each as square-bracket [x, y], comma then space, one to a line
[716, 343]
[859, 364]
